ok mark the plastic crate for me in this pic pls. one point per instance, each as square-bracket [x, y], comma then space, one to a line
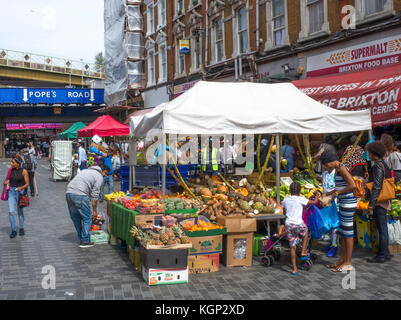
[186, 171]
[124, 171]
[147, 176]
[124, 185]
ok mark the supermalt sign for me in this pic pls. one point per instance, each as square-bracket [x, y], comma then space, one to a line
[364, 56]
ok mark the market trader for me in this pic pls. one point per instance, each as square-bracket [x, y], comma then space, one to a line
[80, 191]
[210, 158]
[108, 179]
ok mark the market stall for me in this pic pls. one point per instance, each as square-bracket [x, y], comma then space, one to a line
[220, 109]
[104, 126]
[72, 132]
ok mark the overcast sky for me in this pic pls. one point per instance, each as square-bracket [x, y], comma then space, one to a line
[70, 29]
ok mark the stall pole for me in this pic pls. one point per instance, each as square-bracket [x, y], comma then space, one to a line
[133, 160]
[370, 134]
[278, 167]
[164, 157]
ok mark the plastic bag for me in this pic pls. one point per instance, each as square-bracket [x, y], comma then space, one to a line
[391, 233]
[315, 223]
[330, 217]
[188, 224]
[397, 232]
[239, 249]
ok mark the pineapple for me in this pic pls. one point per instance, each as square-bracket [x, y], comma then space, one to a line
[164, 237]
[185, 240]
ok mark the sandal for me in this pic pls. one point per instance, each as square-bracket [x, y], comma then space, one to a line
[342, 269]
[333, 266]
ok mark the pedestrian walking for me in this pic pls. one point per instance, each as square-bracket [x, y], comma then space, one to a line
[345, 186]
[18, 182]
[82, 196]
[82, 157]
[379, 172]
[30, 165]
[116, 161]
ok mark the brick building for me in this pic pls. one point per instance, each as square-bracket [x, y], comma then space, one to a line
[258, 40]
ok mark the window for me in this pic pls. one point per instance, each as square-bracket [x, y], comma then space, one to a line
[162, 63]
[194, 2]
[242, 30]
[373, 6]
[162, 13]
[179, 7]
[316, 15]
[219, 40]
[151, 68]
[151, 19]
[196, 53]
[279, 31]
[180, 69]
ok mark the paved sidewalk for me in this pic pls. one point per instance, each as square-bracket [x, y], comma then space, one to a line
[104, 272]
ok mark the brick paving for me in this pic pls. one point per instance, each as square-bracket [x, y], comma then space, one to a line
[104, 272]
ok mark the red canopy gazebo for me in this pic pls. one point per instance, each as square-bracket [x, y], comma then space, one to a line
[104, 126]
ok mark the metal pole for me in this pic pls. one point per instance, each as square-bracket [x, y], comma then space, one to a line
[370, 134]
[278, 167]
[164, 161]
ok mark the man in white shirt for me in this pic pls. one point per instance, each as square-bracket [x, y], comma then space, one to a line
[82, 158]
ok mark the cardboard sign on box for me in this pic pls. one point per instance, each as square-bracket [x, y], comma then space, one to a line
[204, 263]
[164, 276]
[206, 245]
[237, 224]
[164, 259]
[233, 255]
[155, 219]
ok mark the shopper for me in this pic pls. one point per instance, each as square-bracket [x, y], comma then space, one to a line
[287, 153]
[30, 164]
[18, 182]
[108, 179]
[379, 172]
[82, 157]
[81, 191]
[116, 162]
[347, 205]
[354, 161]
[393, 155]
[296, 230]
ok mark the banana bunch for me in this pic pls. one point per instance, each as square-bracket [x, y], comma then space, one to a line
[114, 195]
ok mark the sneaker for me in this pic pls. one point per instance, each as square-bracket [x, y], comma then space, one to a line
[13, 234]
[332, 252]
[376, 260]
[86, 244]
[327, 248]
[388, 258]
[21, 232]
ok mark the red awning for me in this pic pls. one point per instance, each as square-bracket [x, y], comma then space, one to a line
[104, 126]
[375, 89]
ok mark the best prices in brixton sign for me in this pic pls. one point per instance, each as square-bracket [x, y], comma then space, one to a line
[376, 89]
[372, 54]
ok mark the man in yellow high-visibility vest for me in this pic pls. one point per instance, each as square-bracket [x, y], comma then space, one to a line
[210, 156]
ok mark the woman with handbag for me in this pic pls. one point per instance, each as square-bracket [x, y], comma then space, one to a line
[344, 187]
[18, 182]
[381, 189]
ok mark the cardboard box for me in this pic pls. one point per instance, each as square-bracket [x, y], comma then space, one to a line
[237, 224]
[164, 259]
[155, 219]
[232, 254]
[206, 245]
[164, 276]
[204, 263]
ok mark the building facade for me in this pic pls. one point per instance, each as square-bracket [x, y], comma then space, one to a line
[262, 40]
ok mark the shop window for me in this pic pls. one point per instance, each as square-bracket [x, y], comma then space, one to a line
[242, 30]
[162, 63]
[162, 13]
[314, 19]
[196, 53]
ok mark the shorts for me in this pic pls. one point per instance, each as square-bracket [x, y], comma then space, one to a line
[295, 233]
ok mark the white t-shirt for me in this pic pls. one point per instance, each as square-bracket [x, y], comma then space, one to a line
[294, 206]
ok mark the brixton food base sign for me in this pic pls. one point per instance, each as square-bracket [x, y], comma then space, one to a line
[372, 54]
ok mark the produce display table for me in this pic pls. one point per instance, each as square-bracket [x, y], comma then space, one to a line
[268, 218]
[121, 221]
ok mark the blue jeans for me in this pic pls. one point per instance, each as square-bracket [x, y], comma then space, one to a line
[380, 216]
[110, 185]
[13, 197]
[84, 165]
[81, 214]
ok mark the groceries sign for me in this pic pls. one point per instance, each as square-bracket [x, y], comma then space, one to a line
[372, 54]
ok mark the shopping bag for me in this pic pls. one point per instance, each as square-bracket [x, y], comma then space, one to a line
[391, 234]
[23, 201]
[315, 222]
[397, 232]
[6, 188]
[330, 217]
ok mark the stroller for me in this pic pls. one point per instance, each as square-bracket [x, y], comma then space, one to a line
[275, 244]
[274, 249]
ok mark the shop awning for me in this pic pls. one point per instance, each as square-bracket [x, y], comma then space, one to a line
[376, 89]
[71, 132]
[104, 126]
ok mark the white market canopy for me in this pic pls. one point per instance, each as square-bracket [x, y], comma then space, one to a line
[218, 108]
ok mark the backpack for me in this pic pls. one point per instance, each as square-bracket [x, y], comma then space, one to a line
[28, 165]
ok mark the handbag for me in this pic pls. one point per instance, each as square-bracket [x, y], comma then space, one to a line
[23, 201]
[6, 188]
[387, 192]
[359, 191]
